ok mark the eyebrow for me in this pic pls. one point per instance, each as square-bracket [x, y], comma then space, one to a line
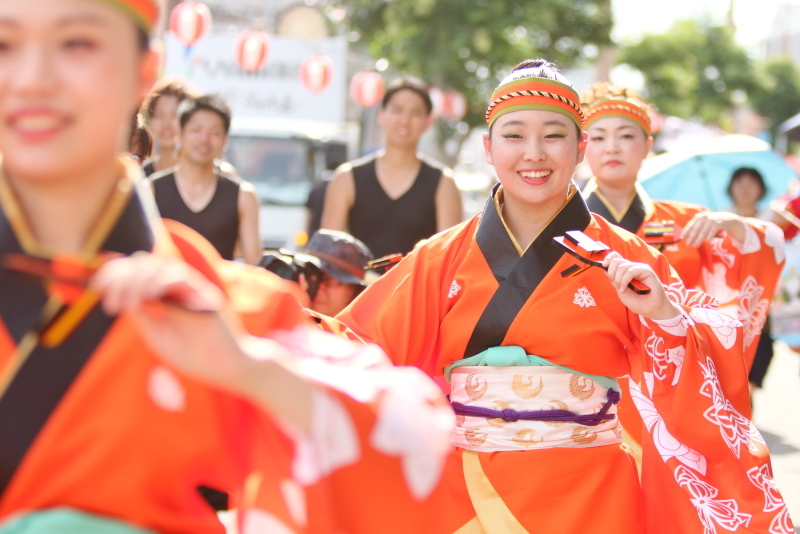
[80, 18]
[624, 126]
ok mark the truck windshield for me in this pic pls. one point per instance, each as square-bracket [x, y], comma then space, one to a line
[281, 170]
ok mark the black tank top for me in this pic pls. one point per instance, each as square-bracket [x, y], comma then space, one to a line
[390, 226]
[218, 222]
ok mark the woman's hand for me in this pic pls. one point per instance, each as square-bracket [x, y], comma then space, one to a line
[654, 305]
[705, 226]
[184, 319]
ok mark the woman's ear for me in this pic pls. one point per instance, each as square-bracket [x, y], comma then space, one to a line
[487, 147]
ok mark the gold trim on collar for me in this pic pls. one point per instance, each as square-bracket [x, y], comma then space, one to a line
[100, 230]
[498, 204]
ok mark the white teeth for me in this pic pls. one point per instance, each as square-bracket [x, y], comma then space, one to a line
[536, 174]
[39, 123]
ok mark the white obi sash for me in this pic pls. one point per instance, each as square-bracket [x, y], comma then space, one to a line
[527, 389]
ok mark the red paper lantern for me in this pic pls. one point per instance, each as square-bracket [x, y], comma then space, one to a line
[455, 106]
[190, 22]
[437, 99]
[252, 50]
[316, 73]
[366, 88]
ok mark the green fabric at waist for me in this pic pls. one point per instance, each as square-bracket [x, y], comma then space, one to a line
[67, 521]
[515, 356]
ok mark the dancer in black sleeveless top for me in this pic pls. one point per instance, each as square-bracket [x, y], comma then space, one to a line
[218, 221]
[221, 207]
[395, 199]
[389, 225]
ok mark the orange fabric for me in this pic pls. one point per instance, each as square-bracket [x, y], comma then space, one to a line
[145, 12]
[743, 283]
[110, 448]
[615, 107]
[534, 84]
[423, 311]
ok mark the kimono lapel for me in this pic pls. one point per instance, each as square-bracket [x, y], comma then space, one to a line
[518, 277]
[48, 372]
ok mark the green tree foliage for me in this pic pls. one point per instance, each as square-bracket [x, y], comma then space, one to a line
[694, 70]
[778, 95]
[469, 44]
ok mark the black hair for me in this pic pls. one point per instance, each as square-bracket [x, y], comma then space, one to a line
[747, 171]
[412, 84]
[214, 103]
[536, 68]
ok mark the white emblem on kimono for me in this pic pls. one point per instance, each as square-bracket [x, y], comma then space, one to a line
[413, 426]
[664, 358]
[165, 390]
[761, 477]
[781, 523]
[454, 289]
[666, 444]
[259, 521]
[718, 250]
[751, 241]
[736, 430]
[724, 513]
[715, 283]
[773, 237]
[583, 298]
[724, 327]
[752, 309]
[333, 442]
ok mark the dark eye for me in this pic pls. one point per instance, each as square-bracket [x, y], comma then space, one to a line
[512, 136]
[556, 136]
[79, 44]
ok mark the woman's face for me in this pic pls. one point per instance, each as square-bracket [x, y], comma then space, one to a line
[746, 190]
[616, 149]
[164, 123]
[71, 76]
[534, 153]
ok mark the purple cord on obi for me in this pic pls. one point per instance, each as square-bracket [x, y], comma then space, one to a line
[560, 416]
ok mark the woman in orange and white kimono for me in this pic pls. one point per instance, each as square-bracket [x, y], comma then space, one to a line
[532, 346]
[736, 260]
[125, 389]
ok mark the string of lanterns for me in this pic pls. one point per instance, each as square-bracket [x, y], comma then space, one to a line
[190, 23]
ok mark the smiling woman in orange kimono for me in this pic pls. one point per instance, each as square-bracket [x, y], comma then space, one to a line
[532, 346]
[135, 364]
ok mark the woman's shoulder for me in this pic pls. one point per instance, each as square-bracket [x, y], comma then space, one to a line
[680, 212]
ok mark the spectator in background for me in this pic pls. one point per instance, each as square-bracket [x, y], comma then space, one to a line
[342, 260]
[394, 199]
[161, 111]
[222, 208]
[746, 188]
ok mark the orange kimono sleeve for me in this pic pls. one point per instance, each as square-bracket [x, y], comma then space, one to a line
[743, 277]
[375, 455]
[705, 467]
[402, 311]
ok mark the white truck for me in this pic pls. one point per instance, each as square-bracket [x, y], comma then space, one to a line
[283, 137]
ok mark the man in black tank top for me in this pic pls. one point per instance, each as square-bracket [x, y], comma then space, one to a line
[221, 207]
[394, 199]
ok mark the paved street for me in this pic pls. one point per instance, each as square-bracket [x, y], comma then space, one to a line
[777, 416]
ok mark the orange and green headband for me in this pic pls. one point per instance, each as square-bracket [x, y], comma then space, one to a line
[144, 12]
[612, 107]
[535, 93]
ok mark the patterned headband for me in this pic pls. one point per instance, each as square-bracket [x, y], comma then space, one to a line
[617, 107]
[144, 12]
[535, 93]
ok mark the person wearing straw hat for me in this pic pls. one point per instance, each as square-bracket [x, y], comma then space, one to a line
[135, 364]
[526, 310]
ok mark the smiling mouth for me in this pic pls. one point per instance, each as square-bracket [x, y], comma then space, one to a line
[535, 175]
